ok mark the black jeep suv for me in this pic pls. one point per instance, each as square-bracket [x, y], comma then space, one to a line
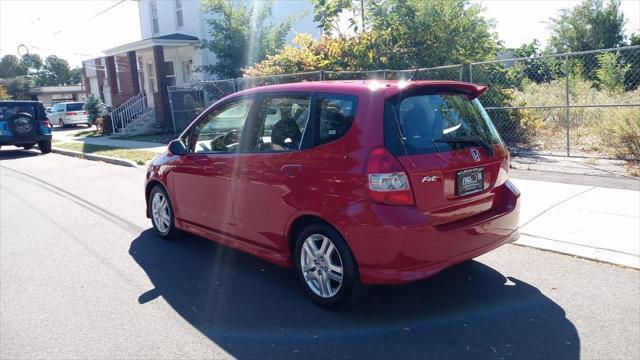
[24, 124]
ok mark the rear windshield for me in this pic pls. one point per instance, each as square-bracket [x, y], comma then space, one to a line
[8, 110]
[423, 123]
[75, 107]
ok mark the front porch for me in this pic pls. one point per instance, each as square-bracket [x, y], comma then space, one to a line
[133, 79]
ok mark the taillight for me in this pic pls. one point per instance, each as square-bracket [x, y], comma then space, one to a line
[46, 123]
[387, 182]
[70, 114]
[85, 113]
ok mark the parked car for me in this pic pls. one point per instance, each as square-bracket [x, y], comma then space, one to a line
[24, 124]
[69, 113]
[351, 183]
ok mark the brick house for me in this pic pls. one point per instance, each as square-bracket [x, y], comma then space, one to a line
[133, 78]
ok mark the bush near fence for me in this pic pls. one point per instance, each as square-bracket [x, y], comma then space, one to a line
[585, 103]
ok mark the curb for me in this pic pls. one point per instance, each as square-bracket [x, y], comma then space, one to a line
[107, 159]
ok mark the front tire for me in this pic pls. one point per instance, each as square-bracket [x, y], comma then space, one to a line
[28, 146]
[161, 212]
[44, 146]
[326, 267]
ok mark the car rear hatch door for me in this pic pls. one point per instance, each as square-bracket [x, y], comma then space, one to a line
[450, 150]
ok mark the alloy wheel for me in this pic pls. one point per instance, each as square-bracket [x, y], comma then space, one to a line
[161, 212]
[321, 265]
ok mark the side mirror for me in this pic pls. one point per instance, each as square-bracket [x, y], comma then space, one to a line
[177, 147]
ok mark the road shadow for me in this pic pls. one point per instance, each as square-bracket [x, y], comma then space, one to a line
[14, 153]
[253, 309]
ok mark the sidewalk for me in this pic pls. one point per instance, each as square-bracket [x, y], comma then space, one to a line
[569, 165]
[586, 221]
[69, 136]
[129, 144]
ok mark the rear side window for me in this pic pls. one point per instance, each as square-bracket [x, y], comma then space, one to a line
[424, 123]
[335, 116]
[75, 107]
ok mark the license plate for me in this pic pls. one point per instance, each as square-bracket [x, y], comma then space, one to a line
[469, 181]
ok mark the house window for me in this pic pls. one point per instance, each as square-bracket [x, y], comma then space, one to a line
[154, 16]
[170, 72]
[179, 19]
[186, 71]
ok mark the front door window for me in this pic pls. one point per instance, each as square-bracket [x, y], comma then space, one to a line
[221, 131]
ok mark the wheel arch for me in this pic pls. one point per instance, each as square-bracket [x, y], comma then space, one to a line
[302, 221]
[147, 192]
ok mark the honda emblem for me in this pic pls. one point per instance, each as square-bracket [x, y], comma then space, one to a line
[475, 154]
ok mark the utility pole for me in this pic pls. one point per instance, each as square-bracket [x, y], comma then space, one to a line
[362, 13]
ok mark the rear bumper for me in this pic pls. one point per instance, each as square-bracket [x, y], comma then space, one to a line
[405, 247]
[23, 141]
[75, 120]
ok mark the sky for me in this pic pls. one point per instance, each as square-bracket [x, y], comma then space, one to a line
[77, 30]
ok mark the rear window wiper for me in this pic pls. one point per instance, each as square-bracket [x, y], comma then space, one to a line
[467, 140]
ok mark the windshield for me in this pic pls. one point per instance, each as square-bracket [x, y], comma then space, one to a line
[423, 123]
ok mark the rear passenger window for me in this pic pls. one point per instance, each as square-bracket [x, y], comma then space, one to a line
[335, 116]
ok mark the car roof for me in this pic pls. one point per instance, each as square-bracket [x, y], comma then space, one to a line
[391, 87]
[20, 102]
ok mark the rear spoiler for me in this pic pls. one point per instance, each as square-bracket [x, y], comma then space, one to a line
[468, 90]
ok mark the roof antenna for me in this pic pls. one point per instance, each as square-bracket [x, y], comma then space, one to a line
[414, 74]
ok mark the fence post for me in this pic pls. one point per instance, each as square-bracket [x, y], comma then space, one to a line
[321, 75]
[470, 72]
[173, 119]
[566, 104]
[461, 70]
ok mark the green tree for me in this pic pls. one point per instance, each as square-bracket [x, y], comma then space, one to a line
[611, 72]
[95, 108]
[32, 62]
[589, 25]
[399, 35]
[241, 35]
[634, 39]
[55, 71]
[10, 67]
[538, 70]
[19, 87]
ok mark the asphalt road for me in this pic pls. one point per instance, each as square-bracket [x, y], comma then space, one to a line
[82, 276]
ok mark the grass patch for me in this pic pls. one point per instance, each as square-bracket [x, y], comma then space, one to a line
[140, 157]
[163, 138]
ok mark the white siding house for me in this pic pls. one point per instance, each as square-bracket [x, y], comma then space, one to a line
[133, 78]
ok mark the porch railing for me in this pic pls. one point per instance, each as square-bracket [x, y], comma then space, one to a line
[125, 114]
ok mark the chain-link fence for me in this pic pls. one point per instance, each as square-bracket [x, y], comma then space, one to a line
[583, 103]
[188, 100]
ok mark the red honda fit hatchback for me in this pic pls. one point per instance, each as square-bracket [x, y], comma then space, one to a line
[351, 183]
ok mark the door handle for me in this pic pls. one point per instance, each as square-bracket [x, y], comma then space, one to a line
[291, 170]
[219, 165]
[201, 160]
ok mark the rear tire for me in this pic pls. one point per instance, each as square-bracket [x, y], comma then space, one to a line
[44, 146]
[28, 146]
[325, 255]
[161, 211]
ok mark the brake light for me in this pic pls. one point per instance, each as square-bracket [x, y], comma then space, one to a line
[46, 123]
[70, 114]
[387, 182]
